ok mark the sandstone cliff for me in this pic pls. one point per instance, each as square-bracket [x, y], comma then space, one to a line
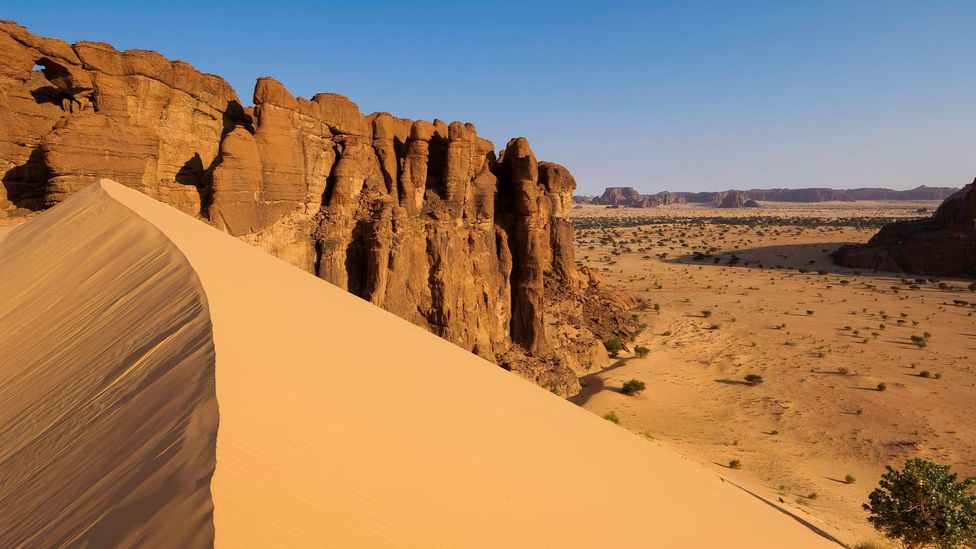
[417, 217]
[944, 244]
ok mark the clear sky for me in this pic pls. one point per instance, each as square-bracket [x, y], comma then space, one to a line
[703, 95]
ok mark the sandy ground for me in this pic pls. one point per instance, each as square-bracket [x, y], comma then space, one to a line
[822, 338]
[340, 424]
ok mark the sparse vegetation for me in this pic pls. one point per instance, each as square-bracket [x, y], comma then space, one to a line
[882, 386]
[611, 417]
[849, 479]
[753, 379]
[633, 387]
[641, 351]
[735, 464]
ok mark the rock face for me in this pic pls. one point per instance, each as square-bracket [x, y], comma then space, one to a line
[944, 244]
[417, 217]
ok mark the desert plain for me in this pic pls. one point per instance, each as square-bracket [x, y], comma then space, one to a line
[859, 369]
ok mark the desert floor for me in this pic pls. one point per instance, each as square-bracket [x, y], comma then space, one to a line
[822, 337]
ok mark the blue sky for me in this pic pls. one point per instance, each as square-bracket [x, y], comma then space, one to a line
[657, 95]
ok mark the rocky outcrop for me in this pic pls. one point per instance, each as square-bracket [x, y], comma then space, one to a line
[629, 197]
[417, 217]
[944, 244]
[731, 199]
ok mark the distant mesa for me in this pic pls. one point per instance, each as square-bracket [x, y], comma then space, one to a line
[631, 198]
[424, 219]
[942, 245]
[731, 199]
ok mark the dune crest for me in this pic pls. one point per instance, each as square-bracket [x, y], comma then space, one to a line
[108, 414]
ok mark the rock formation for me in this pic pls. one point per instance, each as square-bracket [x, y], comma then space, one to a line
[921, 192]
[731, 199]
[750, 204]
[627, 196]
[944, 244]
[417, 217]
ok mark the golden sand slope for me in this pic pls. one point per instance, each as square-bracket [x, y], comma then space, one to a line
[107, 410]
[342, 425]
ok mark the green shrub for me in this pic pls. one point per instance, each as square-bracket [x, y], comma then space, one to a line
[641, 351]
[735, 464]
[924, 505]
[613, 346]
[612, 417]
[849, 479]
[754, 379]
[633, 387]
[882, 386]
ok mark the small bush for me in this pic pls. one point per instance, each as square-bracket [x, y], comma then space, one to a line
[925, 373]
[849, 479]
[613, 346]
[754, 379]
[843, 370]
[735, 464]
[882, 386]
[612, 417]
[641, 351]
[633, 387]
[706, 313]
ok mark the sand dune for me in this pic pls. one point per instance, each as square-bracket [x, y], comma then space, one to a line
[340, 425]
[107, 412]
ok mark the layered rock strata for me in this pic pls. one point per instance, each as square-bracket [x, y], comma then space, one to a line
[420, 218]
